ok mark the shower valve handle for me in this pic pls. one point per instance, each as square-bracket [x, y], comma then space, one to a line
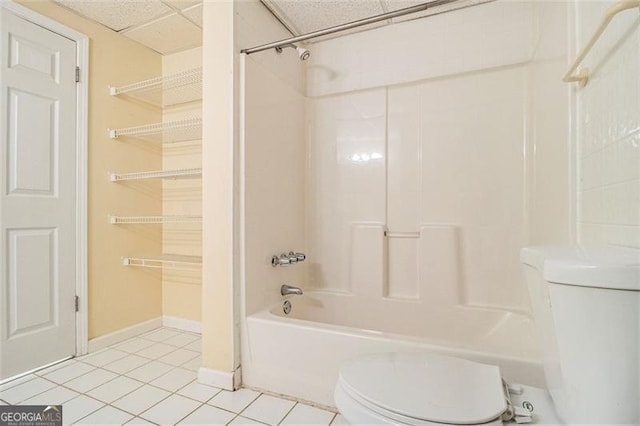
[287, 259]
[282, 260]
[299, 256]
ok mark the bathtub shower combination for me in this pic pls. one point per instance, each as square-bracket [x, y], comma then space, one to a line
[410, 163]
[299, 354]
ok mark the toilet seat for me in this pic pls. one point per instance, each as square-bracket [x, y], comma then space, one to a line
[421, 389]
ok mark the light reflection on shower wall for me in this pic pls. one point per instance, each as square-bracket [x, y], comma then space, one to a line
[443, 133]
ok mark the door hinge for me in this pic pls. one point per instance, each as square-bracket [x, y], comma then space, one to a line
[77, 74]
[77, 304]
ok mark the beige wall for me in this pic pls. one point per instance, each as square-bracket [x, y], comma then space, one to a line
[228, 28]
[118, 296]
[217, 187]
[181, 290]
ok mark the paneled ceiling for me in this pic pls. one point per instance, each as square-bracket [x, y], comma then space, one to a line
[305, 16]
[168, 26]
[165, 26]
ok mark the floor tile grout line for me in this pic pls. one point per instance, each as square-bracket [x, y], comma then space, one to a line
[172, 367]
[126, 374]
[137, 380]
[85, 393]
[18, 381]
[168, 396]
[159, 341]
[115, 346]
[110, 404]
[65, 386]
[167, 344]
[249, 404]
[288, 412]
[134, 353]
[232, 419]
[59, 366]
[333, 419]
[76, 377]
[152, 358]
[117, 375]
[192, 411]
[39, 393]
[248, 418]
[90, 413]
[44, 376]
[146, 409]
[97, 386]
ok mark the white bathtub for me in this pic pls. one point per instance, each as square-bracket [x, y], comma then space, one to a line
[299, 354]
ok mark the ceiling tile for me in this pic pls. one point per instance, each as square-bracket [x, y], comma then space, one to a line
[195, 14]
[182, 4]
[391, 5]
[312, 15]
[118, 14]
[400, 4]
[167, 35]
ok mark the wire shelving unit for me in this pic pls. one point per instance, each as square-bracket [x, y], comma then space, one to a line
[169, 132]
[165, 91]
[157, 174]
[183, 263]
[127, 220]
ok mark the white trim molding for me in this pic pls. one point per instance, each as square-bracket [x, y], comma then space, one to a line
[182, 324]
[121, 335]
[82, 131]
[228, 380]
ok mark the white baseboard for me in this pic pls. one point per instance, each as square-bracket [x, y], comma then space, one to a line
[121, 335]
[229, 380]
[182, 324]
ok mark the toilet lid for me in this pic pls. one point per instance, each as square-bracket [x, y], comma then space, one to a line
[427, 387]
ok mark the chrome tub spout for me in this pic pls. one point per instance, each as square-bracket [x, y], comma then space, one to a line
[286, 290]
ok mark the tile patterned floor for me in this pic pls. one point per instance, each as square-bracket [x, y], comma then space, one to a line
[151, 379]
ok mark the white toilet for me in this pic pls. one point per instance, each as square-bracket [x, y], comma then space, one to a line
[586, 303]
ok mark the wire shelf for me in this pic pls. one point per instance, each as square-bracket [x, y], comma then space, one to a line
[123, 220]
[184, 263]
[158, 174]
[168, 132]
[165, 91]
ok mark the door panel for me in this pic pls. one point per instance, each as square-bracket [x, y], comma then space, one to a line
[29, 286]
[32, 149]
[33, 57]
[38, 196]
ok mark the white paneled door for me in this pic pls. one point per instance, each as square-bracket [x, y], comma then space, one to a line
[38, 199]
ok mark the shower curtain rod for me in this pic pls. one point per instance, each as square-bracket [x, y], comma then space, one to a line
[349, 25]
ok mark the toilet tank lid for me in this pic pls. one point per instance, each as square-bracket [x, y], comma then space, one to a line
[589, 266]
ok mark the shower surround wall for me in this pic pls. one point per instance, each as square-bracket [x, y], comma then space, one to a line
[274, 159]
[422, 168]
[412, 165]
[608, 133]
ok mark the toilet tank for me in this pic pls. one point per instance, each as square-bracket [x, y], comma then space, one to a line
[586, 305]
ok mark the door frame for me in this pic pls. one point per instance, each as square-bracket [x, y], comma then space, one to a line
[82, 128]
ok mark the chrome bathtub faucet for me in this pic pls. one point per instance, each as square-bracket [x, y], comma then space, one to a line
[286, 290]
[288, 259]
